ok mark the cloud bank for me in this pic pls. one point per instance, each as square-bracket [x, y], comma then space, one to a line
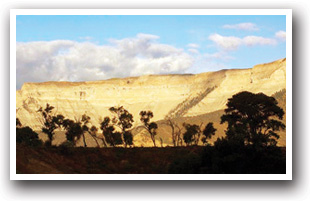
[65, 60]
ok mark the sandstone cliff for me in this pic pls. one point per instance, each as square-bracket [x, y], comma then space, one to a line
[168, 96]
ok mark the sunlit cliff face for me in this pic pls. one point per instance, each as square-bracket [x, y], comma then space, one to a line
[165, 95]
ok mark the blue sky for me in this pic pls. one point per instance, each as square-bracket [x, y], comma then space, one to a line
[83, 47]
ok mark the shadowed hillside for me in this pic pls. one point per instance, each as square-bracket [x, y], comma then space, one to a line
[57, 160]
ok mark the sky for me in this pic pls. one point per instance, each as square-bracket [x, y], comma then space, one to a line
[98, 47]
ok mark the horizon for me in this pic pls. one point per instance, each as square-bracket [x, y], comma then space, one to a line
[94, 48]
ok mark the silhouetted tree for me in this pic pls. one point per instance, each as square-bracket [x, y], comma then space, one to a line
[151, 127]
[208, 131]
[190, 134]
[50, 122]
[197, 136]
[109, 135]
[26, 135]
[74, 130]
[176, 132]
[93, 133]
[89, 130]
[128, 138]
[77, 129]
[252, 119]
[123, 120]
[85, 121]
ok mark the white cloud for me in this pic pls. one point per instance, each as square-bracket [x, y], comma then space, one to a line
[257, 40]
[232, 43]
[242, 26]
[227, 43]
[281, 35]
[193, 45]
[193, 51]
[81, 61]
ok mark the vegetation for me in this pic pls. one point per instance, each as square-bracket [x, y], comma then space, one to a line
[252, 119]
[208, 132]
[109, 135]
[25, 135]
[74, 131]
[123, 120]
[50, 122]
[192, 134]
[176, 132]
[248, 146]
[145, 117]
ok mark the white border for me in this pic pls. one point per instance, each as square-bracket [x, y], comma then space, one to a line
[287, 12]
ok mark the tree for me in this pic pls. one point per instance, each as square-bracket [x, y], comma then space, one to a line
[253, 119]
[50, 122]
[176, 132]
[89, 130]
[151, 127]
[74, 130]
[93, 133]
[77, 129]
[197, 136]
[85, 121]
[123, 120]
[208, 132]
[26, 135]
[191, 133]
[109, 135]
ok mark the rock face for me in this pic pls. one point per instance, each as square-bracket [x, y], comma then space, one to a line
[166, 95]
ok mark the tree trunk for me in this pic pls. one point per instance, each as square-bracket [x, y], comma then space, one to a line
[94, 139]
[153, 139]
[104, 142]
[85, 145]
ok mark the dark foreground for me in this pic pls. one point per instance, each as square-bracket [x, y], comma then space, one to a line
[168, 160]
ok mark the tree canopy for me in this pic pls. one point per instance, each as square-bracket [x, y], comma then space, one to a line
[123, 120]
[151, 127]
[208, 132]
[50, 122]
[253, 119]
[110, 136]
[191, 134]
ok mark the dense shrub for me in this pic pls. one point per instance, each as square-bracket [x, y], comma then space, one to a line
[226, 157]
[27, 136]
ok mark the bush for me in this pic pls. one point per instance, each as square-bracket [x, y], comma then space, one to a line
[27, 136]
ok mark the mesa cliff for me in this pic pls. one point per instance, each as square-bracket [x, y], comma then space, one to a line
[167, 96]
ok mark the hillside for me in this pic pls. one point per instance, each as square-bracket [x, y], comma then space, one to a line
[150, 160]
[191, 98]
